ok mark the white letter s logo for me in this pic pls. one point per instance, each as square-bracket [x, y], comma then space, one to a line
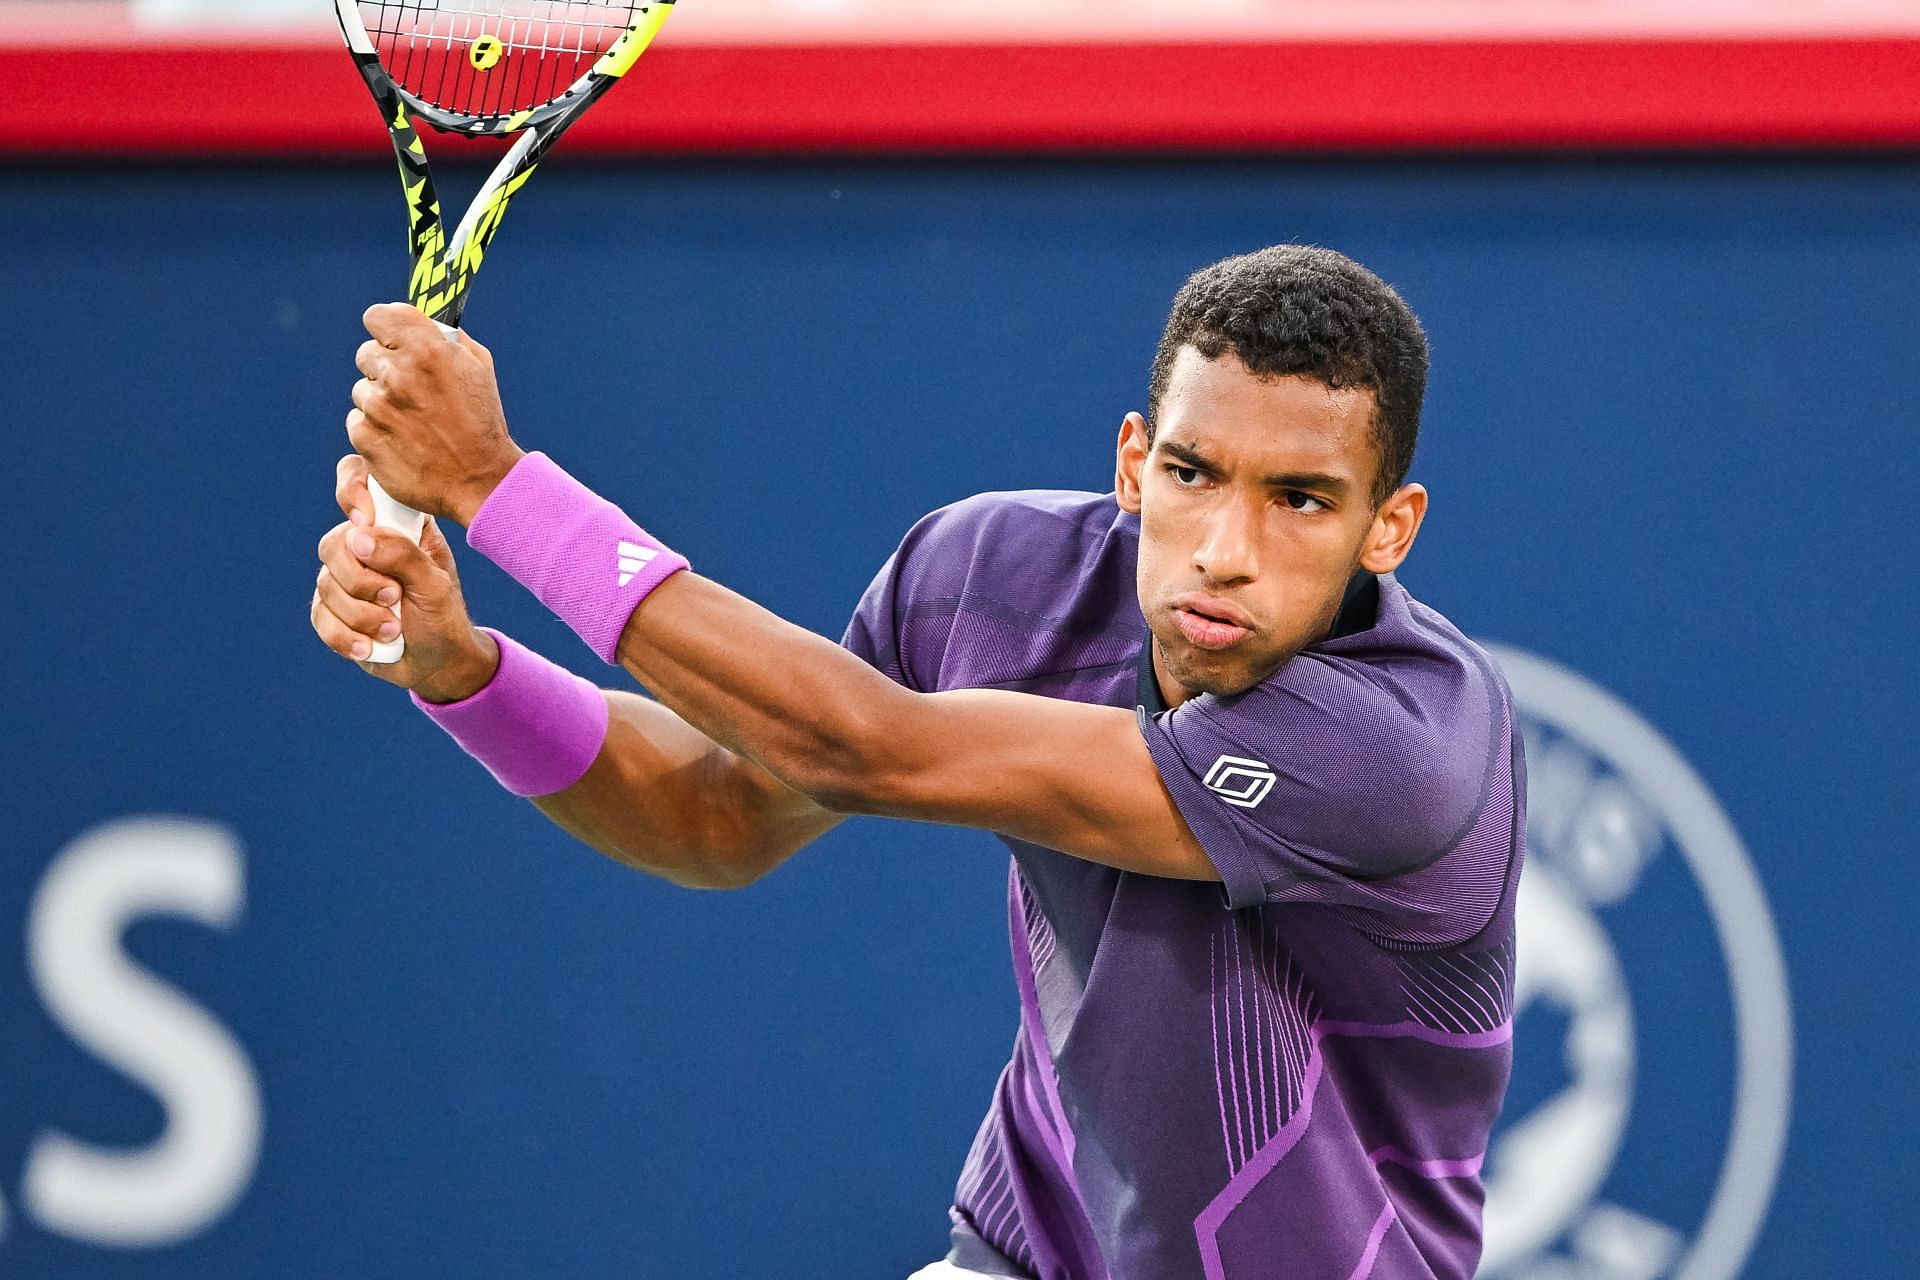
[205, 1157]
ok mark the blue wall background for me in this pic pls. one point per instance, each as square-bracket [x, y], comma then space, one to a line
[1671, 440]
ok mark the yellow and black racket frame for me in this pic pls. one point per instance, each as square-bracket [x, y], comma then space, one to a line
[443, 265]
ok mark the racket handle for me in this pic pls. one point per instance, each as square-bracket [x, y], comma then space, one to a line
[391, 514]
[401, 518]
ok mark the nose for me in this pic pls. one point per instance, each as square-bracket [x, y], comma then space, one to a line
[1228, 551]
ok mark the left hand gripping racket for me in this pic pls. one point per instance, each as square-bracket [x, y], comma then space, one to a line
[487, 69]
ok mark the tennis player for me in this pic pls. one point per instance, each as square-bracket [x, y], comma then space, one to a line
[1265, 808]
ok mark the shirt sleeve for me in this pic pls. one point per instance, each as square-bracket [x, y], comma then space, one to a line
[904, 620]
[873, 633]
[1334, 774]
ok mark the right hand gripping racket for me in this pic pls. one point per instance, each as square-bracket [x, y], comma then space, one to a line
[485, 68]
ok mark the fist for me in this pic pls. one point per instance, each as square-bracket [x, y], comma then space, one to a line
[365, 571]
[426, 414]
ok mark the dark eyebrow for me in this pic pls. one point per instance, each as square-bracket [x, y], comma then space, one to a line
[1189, 457]
[1308, 480]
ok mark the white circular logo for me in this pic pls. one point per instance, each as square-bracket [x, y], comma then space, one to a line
[1642, 1139]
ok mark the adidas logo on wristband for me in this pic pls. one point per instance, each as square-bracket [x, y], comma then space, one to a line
[633, 559]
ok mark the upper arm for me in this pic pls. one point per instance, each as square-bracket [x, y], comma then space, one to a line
[1330, 782]
[1063, 775]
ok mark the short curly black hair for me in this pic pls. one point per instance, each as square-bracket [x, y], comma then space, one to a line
[1303, 309]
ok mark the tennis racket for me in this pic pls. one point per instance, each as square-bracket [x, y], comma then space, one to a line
[524, 69]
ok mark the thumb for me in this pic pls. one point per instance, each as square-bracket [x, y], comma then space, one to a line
[390, 323]
[394, 554]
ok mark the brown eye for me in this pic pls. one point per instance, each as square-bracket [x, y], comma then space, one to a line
[1297, 501]
[1186, 476]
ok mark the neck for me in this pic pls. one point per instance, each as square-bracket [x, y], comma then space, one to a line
[1172, 690]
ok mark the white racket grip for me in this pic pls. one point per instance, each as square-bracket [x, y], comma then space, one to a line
[398, 516]
[390, 514]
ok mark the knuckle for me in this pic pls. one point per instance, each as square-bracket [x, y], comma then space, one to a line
[366, 585]
[338, 626]
[370, 618]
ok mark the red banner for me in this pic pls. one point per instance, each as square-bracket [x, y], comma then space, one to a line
[914, 76]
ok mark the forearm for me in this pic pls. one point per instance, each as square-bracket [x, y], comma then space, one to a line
[664, 798]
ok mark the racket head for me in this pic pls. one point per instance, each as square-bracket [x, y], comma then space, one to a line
[495, 67]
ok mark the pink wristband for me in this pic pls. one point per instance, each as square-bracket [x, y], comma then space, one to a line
[578, 552]
[536, 726]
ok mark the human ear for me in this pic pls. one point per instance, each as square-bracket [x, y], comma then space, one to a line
[1130, 458]
[1395, 525]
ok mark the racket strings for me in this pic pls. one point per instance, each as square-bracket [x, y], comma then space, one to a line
[487, 58]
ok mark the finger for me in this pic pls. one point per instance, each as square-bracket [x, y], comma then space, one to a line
[384, 551]
[350, 488]
[369, 620]
[362, 434]
[336, 635]
[360, 582]
[370, 359]
[392, 323]
[366, 395]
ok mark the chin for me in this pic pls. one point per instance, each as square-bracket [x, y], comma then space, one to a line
[1223, 685]
[1214, 672]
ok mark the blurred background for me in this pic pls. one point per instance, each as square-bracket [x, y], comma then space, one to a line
[290, 989]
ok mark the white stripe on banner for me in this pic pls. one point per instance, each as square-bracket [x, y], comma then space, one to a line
[760, 22]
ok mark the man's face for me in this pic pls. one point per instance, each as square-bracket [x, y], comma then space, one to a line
[1255, 505]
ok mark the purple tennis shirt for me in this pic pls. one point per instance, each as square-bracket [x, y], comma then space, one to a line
[1290, 1075]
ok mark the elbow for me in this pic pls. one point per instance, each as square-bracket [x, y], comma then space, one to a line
[709, 870]
[854, 766]
[719, 875]
[849, 791]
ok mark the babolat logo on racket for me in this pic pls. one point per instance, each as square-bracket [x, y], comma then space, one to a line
[1652, 1034]
[485, 52]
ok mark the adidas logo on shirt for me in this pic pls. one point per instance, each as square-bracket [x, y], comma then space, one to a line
[633, 559]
